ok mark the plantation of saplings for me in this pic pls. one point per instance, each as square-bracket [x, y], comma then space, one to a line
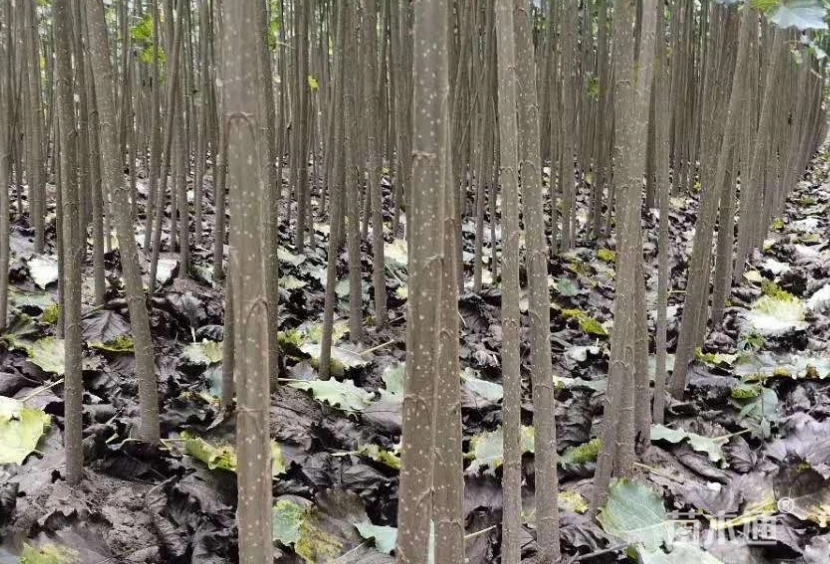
[414, 281]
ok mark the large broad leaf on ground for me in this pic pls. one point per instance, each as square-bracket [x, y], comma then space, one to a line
[801, 14]
[635, 514]
[342, 358]
[104, 326]
[487, 449]
[48, 353]
[766, 365]
[395, 254]
[326, 532]
[20, 429]
[224, 456]
[758, 413]
[203, 353]
[21, 298]
[710, 446]
[393, 377]
[344, 395]
[384, 537]
[490, 391]
[43, 270]
[803, 492]
[49, 554]
[809, 440]
[773, 316]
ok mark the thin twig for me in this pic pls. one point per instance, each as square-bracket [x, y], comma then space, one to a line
[42, 389]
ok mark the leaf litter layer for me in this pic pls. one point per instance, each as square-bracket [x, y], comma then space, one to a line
[752, 433]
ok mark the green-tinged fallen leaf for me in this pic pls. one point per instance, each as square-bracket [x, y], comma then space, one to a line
[314, 333]
[395, 254]
[754, 277]
[20, 430]
[635, 514]
[773, 290]
[607, 255]
[567, 382]
[393, 377]
[402, 292]
[381, 455]
[744, 391]
[342, 358]
[571, 500]
[385, 537]
[48, 354]
[278, 466]
[21, 298]
[223, 457]
[757, 414]
[50, 315]
[566, 287]
[121, 344]
[586, 323]
[490, 391]
[316, 545]
[286, 518]
[773, 316]
[487, 449]
[49, 554]
[203, 353]
[715, 359]
[710, 446]
[580, 455]
[344, 395]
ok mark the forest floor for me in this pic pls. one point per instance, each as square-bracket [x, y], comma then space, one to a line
[752, 432]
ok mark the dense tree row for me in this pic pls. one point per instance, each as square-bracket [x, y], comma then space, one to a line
[545, 125]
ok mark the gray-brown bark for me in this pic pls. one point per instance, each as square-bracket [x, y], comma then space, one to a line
[544, 424]
[510, 321]
[73, 247]
[113, 179]
[247, 269]
[425, 229]
[633, 73]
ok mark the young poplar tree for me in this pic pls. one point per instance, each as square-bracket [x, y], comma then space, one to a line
[114, 181]
[697, 294]
[5, 122]
[73, 246]
[425, 214]
[510, 319]
[247, 269]
[633, 73]
[544, 424]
